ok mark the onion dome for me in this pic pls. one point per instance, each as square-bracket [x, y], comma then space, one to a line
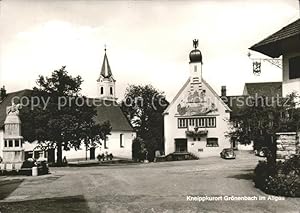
[195, 55]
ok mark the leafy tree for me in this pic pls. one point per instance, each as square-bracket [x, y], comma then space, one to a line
[144, 106]
[67, 120]
[136, 148]
[262, 119]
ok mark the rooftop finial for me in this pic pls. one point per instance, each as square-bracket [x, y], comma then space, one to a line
[195, 43]
[195, 55]
[105, 47]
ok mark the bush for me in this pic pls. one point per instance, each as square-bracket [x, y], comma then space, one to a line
[283, 185]
[281, 179]
[262, 172]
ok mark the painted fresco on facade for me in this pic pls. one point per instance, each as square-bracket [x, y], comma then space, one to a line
[196, 103]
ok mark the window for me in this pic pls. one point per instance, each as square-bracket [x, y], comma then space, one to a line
[182, 123]
[105, 145]
[212, 142]
[121, 140]
[195, 68]
[10, 143]
[111, 90]
[5, 143]
[294, 67]
[101, 91]
[201, 122]
[211, 122]
[196, 80]
[17, 144]
[193, 122]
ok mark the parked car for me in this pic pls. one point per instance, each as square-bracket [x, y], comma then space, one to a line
[261, 152]
[227, 153]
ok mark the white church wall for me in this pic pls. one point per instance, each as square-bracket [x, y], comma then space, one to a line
[113, 146]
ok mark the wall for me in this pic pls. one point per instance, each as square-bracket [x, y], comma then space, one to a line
[172, 131]
[287, 145]
[245, 147]
[289, 86]
[113, 146]
[106, 83]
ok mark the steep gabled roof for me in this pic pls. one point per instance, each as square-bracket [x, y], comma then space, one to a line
[108, 110]
[185, 85]
[272, 45]
[266, 89]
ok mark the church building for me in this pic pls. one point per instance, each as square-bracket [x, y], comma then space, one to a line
[196, 121]
[119, 143]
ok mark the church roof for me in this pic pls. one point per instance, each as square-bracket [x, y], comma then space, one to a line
[273, 44]
[106, 110]
[266, 89]
[111, 111]
[105, 70]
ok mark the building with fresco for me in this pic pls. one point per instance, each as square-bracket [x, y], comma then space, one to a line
[196, 121]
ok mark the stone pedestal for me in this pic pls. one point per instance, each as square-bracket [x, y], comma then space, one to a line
[13, 152]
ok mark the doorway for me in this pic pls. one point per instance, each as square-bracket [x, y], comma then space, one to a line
[181, 145]
[92, 153]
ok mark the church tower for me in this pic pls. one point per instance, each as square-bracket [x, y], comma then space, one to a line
[106, 82]
[195, 69]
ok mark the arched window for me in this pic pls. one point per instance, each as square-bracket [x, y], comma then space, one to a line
[111, 90]
[101, 90]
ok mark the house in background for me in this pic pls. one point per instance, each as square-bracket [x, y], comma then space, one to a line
[264, 89]
[196, 121]
[252, 92]
[285, 43]
[119, 143]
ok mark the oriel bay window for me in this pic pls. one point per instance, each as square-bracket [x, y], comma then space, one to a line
[205, 122]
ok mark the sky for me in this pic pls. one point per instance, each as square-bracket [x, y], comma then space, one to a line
[148, 42]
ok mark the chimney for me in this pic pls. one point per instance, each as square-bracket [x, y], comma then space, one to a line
[223, 91]
[2, 93]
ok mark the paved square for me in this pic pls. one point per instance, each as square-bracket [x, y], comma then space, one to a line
[153, 187]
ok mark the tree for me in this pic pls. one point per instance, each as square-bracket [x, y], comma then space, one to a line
[67, 120]
[144, 106]
[262, 119]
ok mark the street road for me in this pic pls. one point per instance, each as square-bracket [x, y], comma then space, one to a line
[153, 187]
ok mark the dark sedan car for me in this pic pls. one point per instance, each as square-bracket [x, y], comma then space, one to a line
[227, 153]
